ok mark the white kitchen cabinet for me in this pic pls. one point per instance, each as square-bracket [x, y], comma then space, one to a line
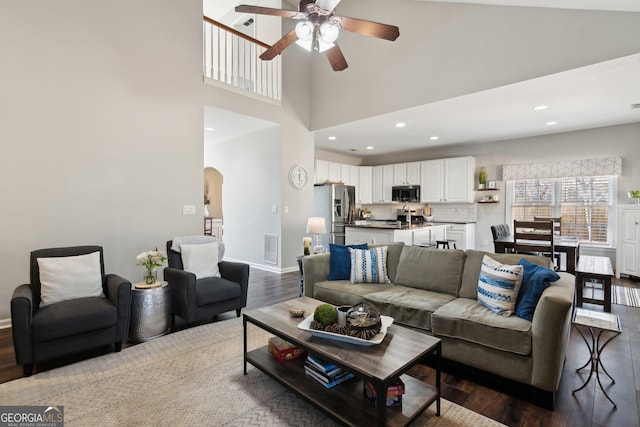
[382, 182]
[447, 180]
[322, 171]
[363, 191]
[628, 251]
[406, 173]
[463, 235]
[354, 176]
[356, 236]
[335, 172]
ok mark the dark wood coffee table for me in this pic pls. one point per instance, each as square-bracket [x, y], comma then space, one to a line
[380, 364]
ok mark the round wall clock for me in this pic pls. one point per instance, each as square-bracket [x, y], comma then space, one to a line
[298, 176]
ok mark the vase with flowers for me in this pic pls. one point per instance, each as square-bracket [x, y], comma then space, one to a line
[150, 260]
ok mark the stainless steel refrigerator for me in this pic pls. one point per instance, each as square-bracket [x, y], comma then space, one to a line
[336, 203]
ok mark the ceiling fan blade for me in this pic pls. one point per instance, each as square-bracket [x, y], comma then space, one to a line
[336, 58]
[327, 5]
[279, 46]
[246, 8]
[369, 28]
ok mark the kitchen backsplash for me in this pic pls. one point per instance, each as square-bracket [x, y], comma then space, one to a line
[454, 212]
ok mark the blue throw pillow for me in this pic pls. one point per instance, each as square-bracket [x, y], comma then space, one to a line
[340, 261]
[535, 279]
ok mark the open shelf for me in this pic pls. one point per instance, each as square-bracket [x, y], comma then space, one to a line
[347, 401]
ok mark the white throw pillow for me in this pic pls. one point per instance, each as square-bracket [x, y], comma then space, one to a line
[70, 277]
[201, 260]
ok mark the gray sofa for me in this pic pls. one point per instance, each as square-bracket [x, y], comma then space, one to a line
[434, 290]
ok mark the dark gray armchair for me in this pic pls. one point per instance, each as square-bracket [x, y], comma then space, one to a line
[70, 326]
[198, 299]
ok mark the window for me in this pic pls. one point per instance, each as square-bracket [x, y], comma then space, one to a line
[584, 203]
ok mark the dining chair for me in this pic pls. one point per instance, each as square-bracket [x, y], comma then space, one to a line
[535, 236]
[499, 231]
[557, 223]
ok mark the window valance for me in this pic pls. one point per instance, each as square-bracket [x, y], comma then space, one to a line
[568, 168]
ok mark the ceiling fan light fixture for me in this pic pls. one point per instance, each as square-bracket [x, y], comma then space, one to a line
[329, 32]
[304, 30]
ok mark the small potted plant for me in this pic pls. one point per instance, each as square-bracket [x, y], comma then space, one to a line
[482, 178]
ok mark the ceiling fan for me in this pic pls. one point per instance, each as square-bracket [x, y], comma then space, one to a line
[319, 28]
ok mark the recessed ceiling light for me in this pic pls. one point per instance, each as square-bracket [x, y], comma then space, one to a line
[332, 138]
[551, 123]
[540, 107]
[369, 147]
[434, 138]
[400, 124]
[208, 129]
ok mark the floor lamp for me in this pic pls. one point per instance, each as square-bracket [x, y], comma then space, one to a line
[317, 226]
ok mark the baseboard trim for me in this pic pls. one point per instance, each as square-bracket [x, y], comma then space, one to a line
[5, 323]
[277, 270]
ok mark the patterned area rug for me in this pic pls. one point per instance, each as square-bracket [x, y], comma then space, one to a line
[625, 296]
[192, 377]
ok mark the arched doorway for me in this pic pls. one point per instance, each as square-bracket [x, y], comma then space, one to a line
[213, 181]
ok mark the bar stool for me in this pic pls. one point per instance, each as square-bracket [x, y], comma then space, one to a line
[445, 244]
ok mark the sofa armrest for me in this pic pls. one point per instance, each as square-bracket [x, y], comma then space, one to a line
[183, 292]
[315, 268]
[236, 272]
[21, 318]
[119, 293]
[551, 328]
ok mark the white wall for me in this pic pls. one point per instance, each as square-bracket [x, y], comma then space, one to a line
[100, 127]
[250, 166]
[446, 50]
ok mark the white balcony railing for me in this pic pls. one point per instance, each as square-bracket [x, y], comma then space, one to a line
[232, 58]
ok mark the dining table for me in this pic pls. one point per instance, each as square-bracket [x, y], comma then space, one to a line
[566, 244]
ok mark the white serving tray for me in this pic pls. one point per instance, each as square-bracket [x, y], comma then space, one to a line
[305, 325]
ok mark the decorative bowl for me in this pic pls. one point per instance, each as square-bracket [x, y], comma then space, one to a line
[296, 311]
[363, 321]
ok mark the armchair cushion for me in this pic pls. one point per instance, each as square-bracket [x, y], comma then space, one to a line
[215, 289]
[73, 317]
[201, 259]
[70, 277]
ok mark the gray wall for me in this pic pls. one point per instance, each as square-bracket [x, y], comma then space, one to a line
[101, 129]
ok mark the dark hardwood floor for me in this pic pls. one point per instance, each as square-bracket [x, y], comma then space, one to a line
[493, 399]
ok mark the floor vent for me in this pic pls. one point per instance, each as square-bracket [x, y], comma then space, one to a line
[271, 249]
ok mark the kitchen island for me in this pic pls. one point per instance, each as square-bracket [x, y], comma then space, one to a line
[387, 232]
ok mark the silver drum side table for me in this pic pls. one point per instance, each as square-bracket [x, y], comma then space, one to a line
[150, 312]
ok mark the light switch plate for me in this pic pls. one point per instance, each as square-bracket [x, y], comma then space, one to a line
[188, 209]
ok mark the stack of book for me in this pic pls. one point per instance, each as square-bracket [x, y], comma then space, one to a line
[394, 393]
[327, 374]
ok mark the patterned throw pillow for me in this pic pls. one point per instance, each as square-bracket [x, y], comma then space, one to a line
[369, 265]
[498, 286]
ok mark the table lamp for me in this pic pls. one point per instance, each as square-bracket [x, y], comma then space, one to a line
[317, 226]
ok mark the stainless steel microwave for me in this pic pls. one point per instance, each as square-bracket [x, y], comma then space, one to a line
[405, 193]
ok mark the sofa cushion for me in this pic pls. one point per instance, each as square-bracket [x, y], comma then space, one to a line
[468, 320]
[498, 286]
[215, 289]
[340, 261]
[535, 279]
[408, 306]
[343, 292]
[430, 269]
[73, 317]
[369, 265]
[473, 262]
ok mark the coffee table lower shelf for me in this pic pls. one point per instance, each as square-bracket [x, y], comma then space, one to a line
[348, 395]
